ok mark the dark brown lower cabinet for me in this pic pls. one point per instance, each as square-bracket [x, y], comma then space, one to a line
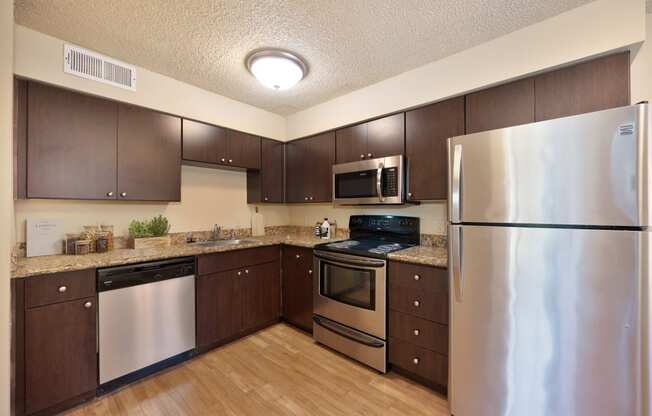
[297, 286]
[261, 294]
[60, 353]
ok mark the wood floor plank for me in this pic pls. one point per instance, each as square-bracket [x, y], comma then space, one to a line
[277, 371]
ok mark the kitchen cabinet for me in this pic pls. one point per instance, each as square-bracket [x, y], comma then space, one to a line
[72, 142]
[373, 139]
[20, 138]
[505, 105]
[427, 131]
[267, 184]
[418, 321]
[206, 143]
[309, 168]
[589, 86]
[237, 292]
[297, 285]
[149, 155]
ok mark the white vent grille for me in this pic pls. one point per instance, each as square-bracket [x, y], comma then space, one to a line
[90, 65]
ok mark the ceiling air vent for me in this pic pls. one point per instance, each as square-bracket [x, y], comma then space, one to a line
[90, 65]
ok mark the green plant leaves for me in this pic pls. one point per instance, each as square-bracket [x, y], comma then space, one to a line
[156, 227]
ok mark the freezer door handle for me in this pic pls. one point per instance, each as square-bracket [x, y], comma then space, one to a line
[457, 275]
[456, 185]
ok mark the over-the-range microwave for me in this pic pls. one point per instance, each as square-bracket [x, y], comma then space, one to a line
[369, 182]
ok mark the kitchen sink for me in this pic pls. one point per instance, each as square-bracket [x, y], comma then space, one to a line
[217, 243]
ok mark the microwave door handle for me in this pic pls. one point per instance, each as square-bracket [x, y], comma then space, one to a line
[379, 181]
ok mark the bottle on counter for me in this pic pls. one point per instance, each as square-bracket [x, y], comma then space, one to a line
[325, 230]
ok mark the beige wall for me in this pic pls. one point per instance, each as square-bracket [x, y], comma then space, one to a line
[208, 196]
[6, 193]
[582, 32]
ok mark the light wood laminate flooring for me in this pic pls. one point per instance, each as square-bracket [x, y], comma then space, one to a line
[277, 371]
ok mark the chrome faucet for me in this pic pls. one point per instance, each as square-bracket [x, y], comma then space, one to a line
[217, 230]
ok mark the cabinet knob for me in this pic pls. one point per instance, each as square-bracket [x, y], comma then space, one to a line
[417, 303]
[88, 304]
[123, 194]
[306, 198]
[297, 256]
[62, 289]
[246, 271]
[369, 155]
[416, 332]
[409, 194]
[417, 277]
[311, 198]
[310, 271]
[361, 156]
[239, 273]
[230, 160]
[222, 160]
[415, 360]
[266, 199]
[109, 194]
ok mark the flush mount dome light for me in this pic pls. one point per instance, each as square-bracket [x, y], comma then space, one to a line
[275, 68]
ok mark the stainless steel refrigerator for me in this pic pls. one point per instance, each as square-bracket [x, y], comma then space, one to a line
[549, 267]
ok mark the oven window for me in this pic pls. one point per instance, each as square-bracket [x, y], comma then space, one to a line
[360, 184]
[356, 287]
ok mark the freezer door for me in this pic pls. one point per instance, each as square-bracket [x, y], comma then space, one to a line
[590, 169]
[547, 322]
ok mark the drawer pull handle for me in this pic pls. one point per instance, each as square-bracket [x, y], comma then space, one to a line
[416, 332]
[62, 289]
[87, 305]
[415, 360]
[417, 277]
[416, 303]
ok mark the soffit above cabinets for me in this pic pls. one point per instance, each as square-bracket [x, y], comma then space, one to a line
[347, 44]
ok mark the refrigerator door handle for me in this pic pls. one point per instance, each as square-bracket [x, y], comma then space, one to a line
[457, 274]
[456, 185]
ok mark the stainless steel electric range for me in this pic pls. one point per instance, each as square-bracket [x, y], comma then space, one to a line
[350, 292]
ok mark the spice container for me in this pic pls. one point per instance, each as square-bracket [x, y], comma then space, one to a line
[82, 247]
[71, 239]
[90, 233]
[101, 242]
[108, 230]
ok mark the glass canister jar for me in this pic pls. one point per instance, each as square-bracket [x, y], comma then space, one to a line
[82, 247]
[101, 242]
[70, 243]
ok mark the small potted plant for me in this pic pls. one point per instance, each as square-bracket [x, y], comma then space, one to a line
[149, 234]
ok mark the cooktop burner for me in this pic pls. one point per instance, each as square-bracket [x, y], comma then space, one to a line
[377, 235]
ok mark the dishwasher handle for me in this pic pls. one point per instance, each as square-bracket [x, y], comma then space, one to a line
[139, 274]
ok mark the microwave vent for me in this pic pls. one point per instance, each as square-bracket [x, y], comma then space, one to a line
[94, 66]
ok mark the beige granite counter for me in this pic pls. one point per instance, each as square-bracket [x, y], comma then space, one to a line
[427, 255]
[31, 266]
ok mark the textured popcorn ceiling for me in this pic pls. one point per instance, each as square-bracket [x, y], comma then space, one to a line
[348, 44]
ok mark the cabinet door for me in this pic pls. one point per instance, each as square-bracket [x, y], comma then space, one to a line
[351, 143]
[502, 106]
[60, 353]
[71, 139]
[427, 129]
[591, 86]
[243, 149]
[298, 286]
[319, 170]
[219, 307]
[386, 136]
[271, 171]
[204, 142]
[297, 169]
[149, 155]
[262, 294]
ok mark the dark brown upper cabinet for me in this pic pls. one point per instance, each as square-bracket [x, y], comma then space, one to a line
[149, 155]
[427, 130]
[589, 86]
[266, 184]
[373, 139]
[207, 143]
[71, 144]
[309, 168]
[502, 106]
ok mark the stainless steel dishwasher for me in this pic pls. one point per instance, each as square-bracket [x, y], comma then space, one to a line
[146, 318]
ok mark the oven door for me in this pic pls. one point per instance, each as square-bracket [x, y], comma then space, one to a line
[351, 290]
[374, 181]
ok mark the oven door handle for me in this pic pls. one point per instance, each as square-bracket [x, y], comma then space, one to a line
[379, 181]
[348, 333]
[349, 260]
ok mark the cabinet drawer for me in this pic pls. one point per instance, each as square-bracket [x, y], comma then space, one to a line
[420, 278]
[59, 287]
[432, 306]
[420, 361]
[424, 333]
[219, 262]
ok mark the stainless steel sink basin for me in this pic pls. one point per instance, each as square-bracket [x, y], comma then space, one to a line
[216, 243]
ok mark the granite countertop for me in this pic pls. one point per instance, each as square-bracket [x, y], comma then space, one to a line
[30, 266]
[427, 255]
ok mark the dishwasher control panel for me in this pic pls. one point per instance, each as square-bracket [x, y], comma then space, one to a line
[112, 278]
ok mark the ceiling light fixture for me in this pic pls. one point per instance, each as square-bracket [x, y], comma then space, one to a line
[275, 68]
